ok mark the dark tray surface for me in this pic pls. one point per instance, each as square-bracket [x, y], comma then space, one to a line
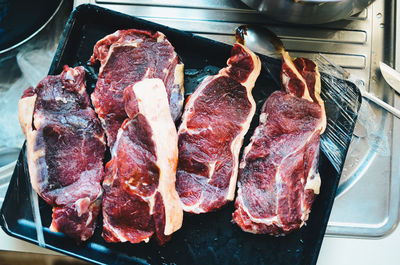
[203, 239]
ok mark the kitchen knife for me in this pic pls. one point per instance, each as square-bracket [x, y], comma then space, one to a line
[392, 77]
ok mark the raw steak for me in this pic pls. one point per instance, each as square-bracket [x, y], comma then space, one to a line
[65, 150]
[139, 188]
[216, 118]
[126, 57]
[278, 174]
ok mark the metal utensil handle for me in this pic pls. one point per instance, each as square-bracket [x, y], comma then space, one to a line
[381, 103]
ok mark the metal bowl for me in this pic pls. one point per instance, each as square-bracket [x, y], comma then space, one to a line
[308, 11]
[21, 20]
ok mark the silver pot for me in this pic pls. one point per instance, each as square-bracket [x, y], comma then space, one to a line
[308, 11]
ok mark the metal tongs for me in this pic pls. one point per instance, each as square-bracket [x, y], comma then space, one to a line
[364, 93]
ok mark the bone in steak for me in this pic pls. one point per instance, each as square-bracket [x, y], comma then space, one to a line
[216, 118]
[126, 57]
[278, 174]
[65, 150]
[139, 188]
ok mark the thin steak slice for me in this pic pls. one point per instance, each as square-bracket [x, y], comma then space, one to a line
[126, 57]
[278, 174]
[65, 150]
[139, 188]
[216, 118]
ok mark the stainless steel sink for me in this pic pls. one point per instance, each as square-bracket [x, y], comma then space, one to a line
[8, 159]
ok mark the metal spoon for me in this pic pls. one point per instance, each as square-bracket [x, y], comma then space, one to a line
[260, 39]
[264, 41]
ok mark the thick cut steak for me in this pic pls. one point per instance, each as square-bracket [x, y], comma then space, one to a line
[278, 174]
[139, 188]
[65, 150]
[216, 118]
[126, 57]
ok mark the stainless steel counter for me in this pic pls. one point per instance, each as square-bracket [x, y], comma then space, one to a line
[368, 198]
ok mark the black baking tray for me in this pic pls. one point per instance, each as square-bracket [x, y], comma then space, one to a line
[204, 239]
